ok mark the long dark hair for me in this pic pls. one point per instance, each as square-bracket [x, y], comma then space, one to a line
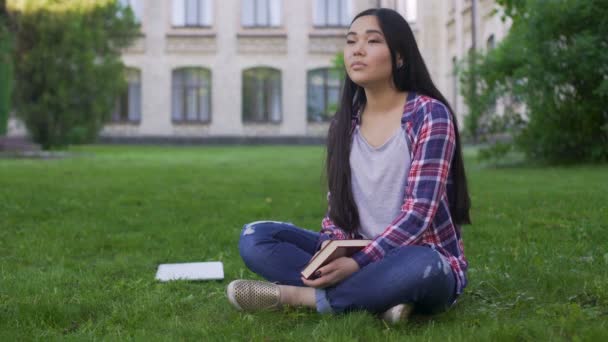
[412, 76]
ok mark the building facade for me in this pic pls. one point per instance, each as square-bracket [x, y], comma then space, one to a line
[205, 68]
[444, 46]
[262, 68]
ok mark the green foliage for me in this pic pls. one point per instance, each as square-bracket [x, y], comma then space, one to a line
[338, 63]
[5, 70]
[554, 66]
[68, 71]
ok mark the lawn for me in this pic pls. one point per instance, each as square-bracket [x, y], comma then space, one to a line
[81, 237]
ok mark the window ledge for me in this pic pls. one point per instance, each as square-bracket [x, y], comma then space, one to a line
[190, 123]
[190, 32]
[261, 123]
[273, 32]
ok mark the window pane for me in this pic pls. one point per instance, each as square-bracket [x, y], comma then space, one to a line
[178, 95]
[490, 44]
[203, 101]
[319, 12]
[275, 98]
[261, 13]
[191, 104]
[134, 95]
[248, 14]
[275, 12]
[334, 85]
[204, 95]
[133, 100]
[207, 12]
[178, 12]
[191, 12]
[316, 100]
[137, 7]
[345, 12]
[262, 95]
[333, 10]
[260, 101]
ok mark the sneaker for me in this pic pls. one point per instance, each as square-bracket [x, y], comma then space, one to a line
[398, 313]
[254, 295]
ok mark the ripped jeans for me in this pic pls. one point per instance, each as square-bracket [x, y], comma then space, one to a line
[417, 275]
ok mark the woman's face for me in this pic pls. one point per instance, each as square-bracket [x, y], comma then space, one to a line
[366, 54]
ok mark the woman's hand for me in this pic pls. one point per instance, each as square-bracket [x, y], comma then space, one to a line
[333, 273]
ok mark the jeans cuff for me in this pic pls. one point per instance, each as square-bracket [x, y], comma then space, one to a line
[323, 305]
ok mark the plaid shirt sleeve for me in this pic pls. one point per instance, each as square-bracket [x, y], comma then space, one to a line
[329, 231]
[433, 150]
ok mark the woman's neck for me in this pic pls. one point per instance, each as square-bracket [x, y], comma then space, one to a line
[383, 100]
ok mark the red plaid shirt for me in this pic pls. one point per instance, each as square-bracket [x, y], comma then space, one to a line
[425, 217]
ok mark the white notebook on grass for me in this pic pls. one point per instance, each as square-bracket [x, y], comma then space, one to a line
[211, 270]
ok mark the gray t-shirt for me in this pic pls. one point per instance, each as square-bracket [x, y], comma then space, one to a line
[379, 176]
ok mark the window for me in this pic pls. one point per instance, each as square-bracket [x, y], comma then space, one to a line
[191, 97]
[135, 6]
[411, 11]
[128, 105]
[261, 13]
[323, 95]
[192, 13]
[490, 43]
[262, 95]
[331, 13]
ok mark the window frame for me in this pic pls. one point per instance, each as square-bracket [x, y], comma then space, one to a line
[256, 23]
[201, 20]
[183, 117]
[344, 5]
[326, 73]
[267, 110]
[124, 100]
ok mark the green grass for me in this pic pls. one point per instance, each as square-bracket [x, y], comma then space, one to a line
[80, 239]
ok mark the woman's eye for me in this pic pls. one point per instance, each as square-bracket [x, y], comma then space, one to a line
[350, 42]
[374, 41]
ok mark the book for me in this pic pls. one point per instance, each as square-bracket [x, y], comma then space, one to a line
[332, 250]
[212, 270]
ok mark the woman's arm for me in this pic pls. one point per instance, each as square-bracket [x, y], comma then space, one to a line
[426, 184]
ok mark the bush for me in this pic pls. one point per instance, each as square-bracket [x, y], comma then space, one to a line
[68, 69]
[555, 61]
[5, 71]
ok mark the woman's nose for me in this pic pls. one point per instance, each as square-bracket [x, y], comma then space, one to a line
[359, 49]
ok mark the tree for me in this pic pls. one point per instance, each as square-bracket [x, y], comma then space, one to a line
[68, 71]
[555, 61]
[5, 68]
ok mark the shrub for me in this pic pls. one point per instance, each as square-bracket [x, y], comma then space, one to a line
[68, 71]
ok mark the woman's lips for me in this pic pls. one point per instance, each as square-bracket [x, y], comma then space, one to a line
[358, 65]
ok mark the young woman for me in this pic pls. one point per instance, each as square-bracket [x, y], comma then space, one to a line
[395, 176]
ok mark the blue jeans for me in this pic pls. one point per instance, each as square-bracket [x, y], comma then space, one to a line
[417, 275]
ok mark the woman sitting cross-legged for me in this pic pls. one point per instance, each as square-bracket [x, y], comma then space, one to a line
[395, 176]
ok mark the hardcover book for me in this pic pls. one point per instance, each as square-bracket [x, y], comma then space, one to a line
[332, 250]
